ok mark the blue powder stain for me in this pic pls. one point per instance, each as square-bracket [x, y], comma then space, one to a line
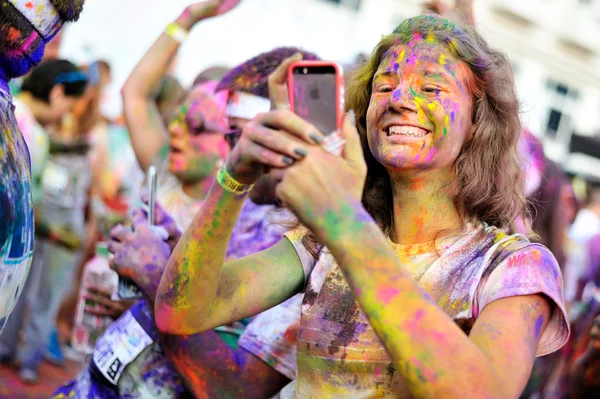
[452, 116]
[239, 359]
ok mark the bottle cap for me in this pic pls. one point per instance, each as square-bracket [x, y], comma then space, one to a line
[102, 250]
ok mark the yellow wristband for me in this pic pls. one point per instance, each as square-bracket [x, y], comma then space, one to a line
[176, 32]
[230, 184]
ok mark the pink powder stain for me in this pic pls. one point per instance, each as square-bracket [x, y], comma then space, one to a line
[377, 372]
[387, 294]
[419, 314]
[430, 155]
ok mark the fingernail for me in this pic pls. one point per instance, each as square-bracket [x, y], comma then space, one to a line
[317, 138]
[352, 117]
[287, 160]
[301, 152]
[297, 55]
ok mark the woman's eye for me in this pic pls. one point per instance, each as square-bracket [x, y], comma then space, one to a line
[431, 90]
[385, 89]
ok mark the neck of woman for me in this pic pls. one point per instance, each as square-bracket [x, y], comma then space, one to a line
[197, 190]
[423, 207]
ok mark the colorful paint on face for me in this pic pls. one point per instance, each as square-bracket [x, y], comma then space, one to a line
[195, 157]
[420, 109]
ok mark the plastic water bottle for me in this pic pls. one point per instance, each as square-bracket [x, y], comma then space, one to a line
[88, 327]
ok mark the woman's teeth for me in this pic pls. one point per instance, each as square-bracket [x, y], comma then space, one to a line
[407, 131]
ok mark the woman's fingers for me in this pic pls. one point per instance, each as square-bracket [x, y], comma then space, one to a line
[278, 92]
[279, 141]
[292, 124]
[120, 233]
[267, 157]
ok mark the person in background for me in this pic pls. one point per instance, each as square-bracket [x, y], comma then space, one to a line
[186, 161]
[587, 222]
[214, 363]
[22, 42]
[60, 188]
[116, 179]
[584, 382]
[169, 97]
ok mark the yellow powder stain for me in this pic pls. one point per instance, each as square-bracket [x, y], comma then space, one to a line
[401, 57]
[432, 106]
[446, 120]
[442, 59]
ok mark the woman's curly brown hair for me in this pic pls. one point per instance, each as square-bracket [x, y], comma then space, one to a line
[487, 174]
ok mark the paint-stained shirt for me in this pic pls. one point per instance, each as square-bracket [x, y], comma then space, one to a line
[16, 208]
[271, 336]
[339, 353]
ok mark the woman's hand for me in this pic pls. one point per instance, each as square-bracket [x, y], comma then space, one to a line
[140, 254]
[164, 220]
[317, 187]
[103, 305]
[207, 9]
[275, 139]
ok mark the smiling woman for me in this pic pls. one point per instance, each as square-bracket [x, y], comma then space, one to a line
[419, 290]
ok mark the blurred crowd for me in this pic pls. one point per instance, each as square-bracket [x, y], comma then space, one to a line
[88, 167]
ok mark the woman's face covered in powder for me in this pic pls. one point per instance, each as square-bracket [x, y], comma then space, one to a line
[420, 109]
[197, 143]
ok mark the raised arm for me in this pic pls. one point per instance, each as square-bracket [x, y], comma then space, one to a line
[146, 128]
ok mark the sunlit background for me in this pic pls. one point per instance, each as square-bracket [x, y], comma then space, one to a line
[553, 46]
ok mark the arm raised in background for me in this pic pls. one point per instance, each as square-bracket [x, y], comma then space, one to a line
[146, 127]
[209, 367]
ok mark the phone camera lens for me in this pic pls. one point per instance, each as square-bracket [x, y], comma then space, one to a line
[305, 71]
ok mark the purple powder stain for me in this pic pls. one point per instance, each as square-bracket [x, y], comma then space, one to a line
[538, 326]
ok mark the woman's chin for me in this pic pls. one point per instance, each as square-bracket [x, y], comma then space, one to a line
[177, 164]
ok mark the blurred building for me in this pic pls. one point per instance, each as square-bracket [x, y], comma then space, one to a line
[555, 50]
[553, 44]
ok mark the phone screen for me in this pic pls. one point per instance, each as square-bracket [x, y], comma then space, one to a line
[314, 92]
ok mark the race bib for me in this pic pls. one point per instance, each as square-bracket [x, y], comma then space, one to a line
[122, 342]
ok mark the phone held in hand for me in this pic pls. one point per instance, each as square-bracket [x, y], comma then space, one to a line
[316, 93]
[126, 288]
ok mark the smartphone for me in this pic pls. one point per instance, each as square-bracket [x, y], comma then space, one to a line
[127, 288]
[316, 93]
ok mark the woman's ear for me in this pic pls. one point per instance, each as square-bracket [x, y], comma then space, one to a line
[57, 93]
